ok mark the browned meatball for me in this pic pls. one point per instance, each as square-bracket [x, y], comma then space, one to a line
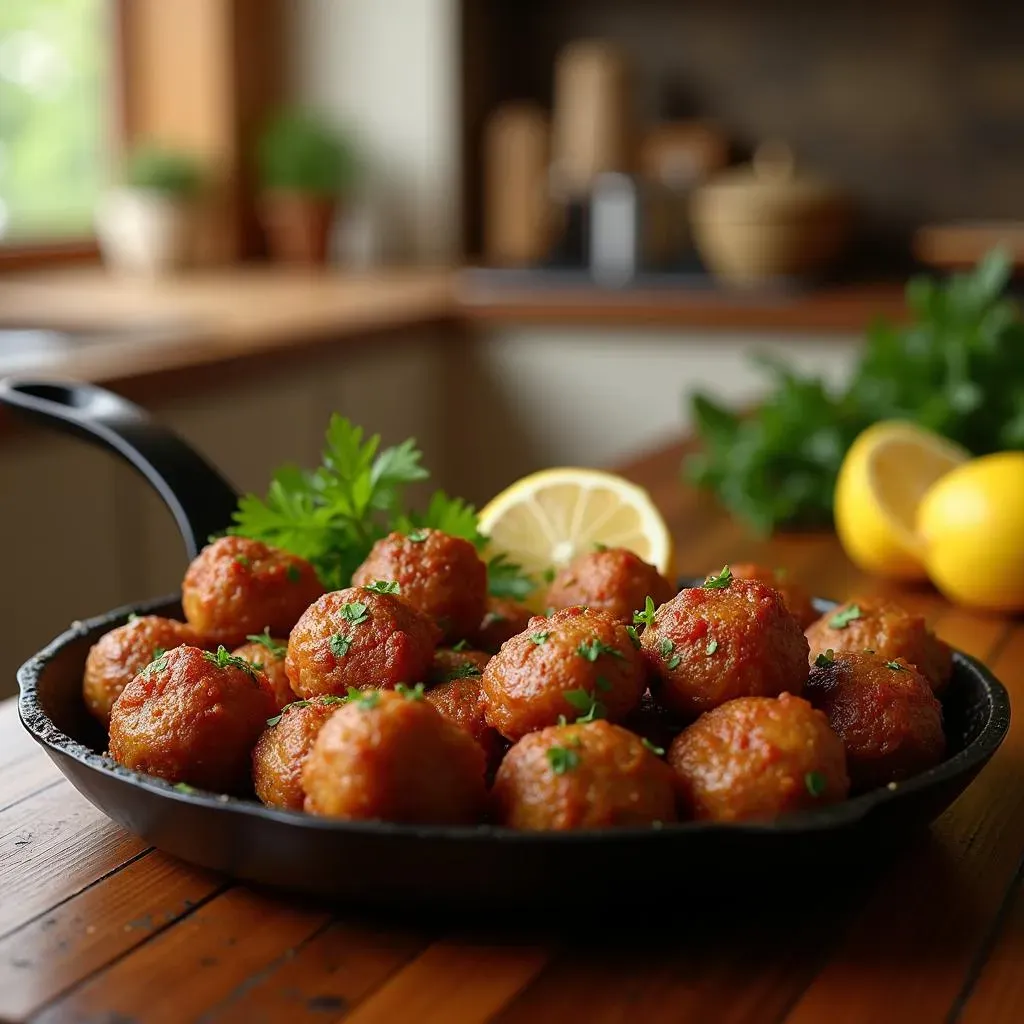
[267, 654]
[237, 586]
[193, 717]
[594, 775]
[874, 624]
[280, 753]
[503, 619]
[439, 575]
[358, 638]
[118, 656]
[461, 701]
[450, 663]
[392, 757]
[730, 638]
[758, 758]
[611, 580]
[797, 600]
[884, 711]
[576, 662]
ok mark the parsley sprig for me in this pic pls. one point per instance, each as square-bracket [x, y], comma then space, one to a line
[384, 587]
[467, 670]
[223, 658]
[591, 650]
[667, 650]
[719, 582]
[843, 618]
[413, 693]
[645, 617]
[264, 639]
[562, 759]
[332, 515]
[587, 704]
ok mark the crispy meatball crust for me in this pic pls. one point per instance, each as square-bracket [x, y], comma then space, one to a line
[236, 586]
[187, 719]
[889, 631]
[707, 646]
[612, 580]
[118, 656]
[441, 576]
[388, 758]
[796, 597]
[462, 701]
[503, 619]
[357, 637]
[758, 758]
[592, 775]
[270, 661]
[574, 651]
[884, 711]
[281, 750]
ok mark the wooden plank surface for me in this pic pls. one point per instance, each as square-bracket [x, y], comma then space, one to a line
[96, 927]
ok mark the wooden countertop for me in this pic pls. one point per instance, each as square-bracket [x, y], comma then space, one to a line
[96, 926]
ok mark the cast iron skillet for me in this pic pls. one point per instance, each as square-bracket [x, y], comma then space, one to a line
[435, 868]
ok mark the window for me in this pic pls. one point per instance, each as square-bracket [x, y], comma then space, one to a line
[55, 66]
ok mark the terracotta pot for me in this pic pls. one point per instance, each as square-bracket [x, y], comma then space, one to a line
[298, 226]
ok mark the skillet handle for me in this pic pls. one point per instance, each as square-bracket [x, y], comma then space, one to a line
[199, 498]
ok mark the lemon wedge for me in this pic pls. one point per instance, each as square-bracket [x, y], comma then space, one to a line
[546, 519]
[884, 477]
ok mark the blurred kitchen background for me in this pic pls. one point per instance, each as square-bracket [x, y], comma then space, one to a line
[523, 231]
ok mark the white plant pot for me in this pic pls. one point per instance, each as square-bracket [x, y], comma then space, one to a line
[143, 232]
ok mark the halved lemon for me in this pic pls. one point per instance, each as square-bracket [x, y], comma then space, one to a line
[885, 474]
[546, 519]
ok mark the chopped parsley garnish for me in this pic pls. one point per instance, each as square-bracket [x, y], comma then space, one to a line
[815, 783]
[562, 759]
[224, 659]
[340, 644]
[294, 573]
[539, 638]
[842, 619]
[894, 665]
[591, 650]
[645, 617]
[366, 699]
[657, 751]
[384, 587]
[712, 646]
[133, 617]
[417, 536]
[585, 702]
[598, 546]
[355, 612]
[243, 561]
[258, 665]
[719, 582]
[667, 650]
[548, 575]
[462, 645]
[467, 670]
[184, 787]
[411, 692]
[634, 636]
[294, 704]
[492, 619]
[264, 639]
[157, 665]
[158, 652]
[825, 659]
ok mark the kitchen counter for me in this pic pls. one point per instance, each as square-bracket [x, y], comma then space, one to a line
[931, 934]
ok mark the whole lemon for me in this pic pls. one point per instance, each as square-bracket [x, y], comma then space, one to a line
[971, 524]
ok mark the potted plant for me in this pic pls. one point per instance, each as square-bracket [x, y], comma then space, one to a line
[147, 225]
[304, 167]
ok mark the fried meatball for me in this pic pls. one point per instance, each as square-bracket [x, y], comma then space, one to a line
[574, 662]
[461, 701]
[361, 638]
[393, 757]
[874, 624]
[237, 586]
[280, 753]
[612, 580]
[884, 711]
[503, 619]
[267, 655]
[712, 644]
[193, 717]
[118, 656]
[439, 575]
[758, 758]
[592, 775]
[449, 664]
[796, 598]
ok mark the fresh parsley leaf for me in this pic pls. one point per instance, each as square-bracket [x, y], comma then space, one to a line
[416, 536]
[355, 612]
[506, 579]
[340, 644]
[258, 665]
[467, 670]
[562, 759]
[843, 618]
[366, 699]
[667, 650]
[156, 666]
[657, 751]
[540, 638]
[158, 652]
[591, 650]
[133, 617]
[243, 561]
[225, 659]
[294, 704]
[598, 546]
[646, 616]
[184, 787]
[825, 659]
[462, 645]
[719, 582]
[384, 587]
[712, 646]
[411, 692]
[894, 665]
[585, 702]
[549, 574]
[634, 636]
[816, 783]
[264, 639]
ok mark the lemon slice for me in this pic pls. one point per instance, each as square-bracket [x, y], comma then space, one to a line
[545, 520]
[885, 474]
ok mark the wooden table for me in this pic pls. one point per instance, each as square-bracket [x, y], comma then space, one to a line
[95, 926]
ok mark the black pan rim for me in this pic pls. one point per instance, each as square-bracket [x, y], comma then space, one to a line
[843, 815]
